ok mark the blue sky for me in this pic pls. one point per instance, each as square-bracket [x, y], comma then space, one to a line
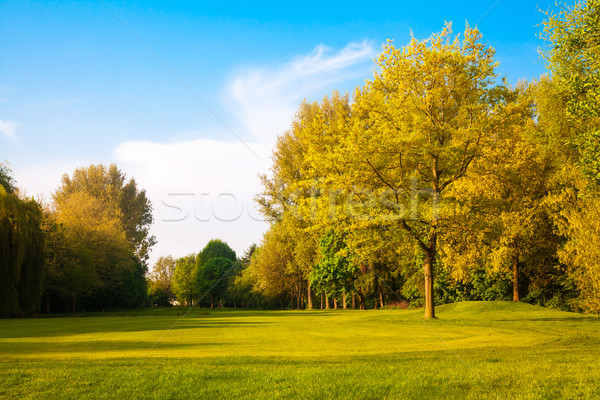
[130, 82]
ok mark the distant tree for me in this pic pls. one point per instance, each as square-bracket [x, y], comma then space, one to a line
[214, 249]
[161, 279]
[119, 198]
[241, 283]
[211, 278]
[105, 215]
[184, 280]
[273, 267]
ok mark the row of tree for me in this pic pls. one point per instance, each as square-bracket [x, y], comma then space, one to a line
[437, 165]
[86, 249]
[216, 278]
[194, 280]
[437, 182]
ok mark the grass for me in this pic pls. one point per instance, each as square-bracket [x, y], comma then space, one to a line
[473, 350]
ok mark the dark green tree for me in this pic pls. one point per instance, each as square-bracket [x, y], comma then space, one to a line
[70, 268]
[21, 251]
[334, 275]
[212, 280]
[215, 248]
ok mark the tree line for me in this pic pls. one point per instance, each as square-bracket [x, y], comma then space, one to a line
[437, 181]
[85, 249]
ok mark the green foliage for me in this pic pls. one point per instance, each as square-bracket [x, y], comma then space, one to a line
[214, 271]
[184, 280]
[280, 265]
[159, 297]
[240, 282]
[216, 248]
[21, 252]
[479, 175]
[211, 278]
[334, 275]
[572, 33]
[161, 278]
[70, 268]
[481, 285]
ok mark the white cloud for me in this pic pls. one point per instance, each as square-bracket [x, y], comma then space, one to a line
[204, 189]
[200, 189]
[265, 99]
[8, 128]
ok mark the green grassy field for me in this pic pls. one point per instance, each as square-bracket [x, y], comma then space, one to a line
[474, 350]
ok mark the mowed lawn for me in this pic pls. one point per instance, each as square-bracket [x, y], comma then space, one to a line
[473, 350]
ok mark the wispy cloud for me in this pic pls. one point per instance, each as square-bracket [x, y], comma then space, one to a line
[9, 128]
[265, 99]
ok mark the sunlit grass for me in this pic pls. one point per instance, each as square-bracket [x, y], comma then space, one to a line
[474, 350]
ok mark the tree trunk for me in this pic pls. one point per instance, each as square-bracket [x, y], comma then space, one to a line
[516, 278]
[282, 303]
[381, 296]
[322, 301]
[326, 302]
[361, 298]
[344, 302]
[353, 302]
[428, 270]
[335, 304]
[74, 301]
[310, 300]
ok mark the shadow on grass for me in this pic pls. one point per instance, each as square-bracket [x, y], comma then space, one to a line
[68, 327]
[93, 346]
